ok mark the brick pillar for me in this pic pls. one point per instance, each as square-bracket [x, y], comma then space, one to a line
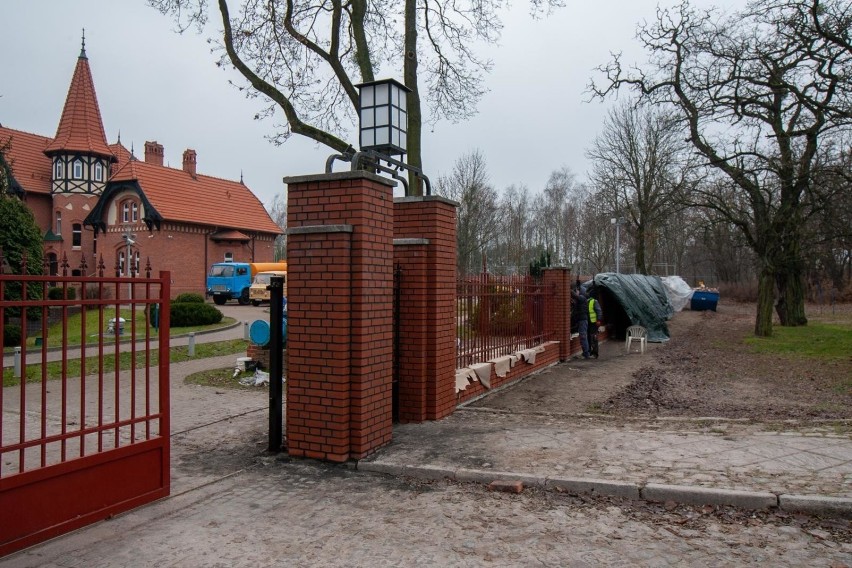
[340, 303]
[425, 250]
[557, 282]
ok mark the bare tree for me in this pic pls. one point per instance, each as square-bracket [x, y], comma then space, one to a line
[516, 220]
[596, 235]
[759, 91]
[477, 223]
[306, 58]
[278, 212]
[641, 163]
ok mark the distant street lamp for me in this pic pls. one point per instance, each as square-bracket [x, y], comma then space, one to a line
[618, 223]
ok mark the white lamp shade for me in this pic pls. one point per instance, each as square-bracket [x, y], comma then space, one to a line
[384, 116]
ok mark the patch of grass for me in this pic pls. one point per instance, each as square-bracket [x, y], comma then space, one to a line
[126, 361]
[815, 340]
[220, 378]
[73, 329]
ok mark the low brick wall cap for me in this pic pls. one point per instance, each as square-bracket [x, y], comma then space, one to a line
[420, 198]
[337, 176]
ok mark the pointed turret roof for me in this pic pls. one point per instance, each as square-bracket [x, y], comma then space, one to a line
[81, 128]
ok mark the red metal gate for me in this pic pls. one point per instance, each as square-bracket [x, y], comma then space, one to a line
[84, 408]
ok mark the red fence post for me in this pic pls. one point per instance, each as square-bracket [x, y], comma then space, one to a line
[425, 249]
[340, 308]
[557, 282]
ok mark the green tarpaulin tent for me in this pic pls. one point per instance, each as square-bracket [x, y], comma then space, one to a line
[635, 299]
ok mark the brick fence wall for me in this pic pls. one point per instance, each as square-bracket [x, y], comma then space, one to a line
[346, 235]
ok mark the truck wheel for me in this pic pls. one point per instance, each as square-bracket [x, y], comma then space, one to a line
[219, 300]
[255, 303]
[243, 300]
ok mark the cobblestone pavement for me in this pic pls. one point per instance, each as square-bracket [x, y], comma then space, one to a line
[234, 505]
[304, 514]
[708, 453]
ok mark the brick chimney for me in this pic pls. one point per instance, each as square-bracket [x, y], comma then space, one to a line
[189, 161]
[154, 153]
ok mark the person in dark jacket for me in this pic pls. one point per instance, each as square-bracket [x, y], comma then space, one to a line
[589, 314]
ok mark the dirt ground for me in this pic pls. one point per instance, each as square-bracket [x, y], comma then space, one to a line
[705, 370]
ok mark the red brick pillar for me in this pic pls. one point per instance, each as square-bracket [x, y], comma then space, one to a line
[425, 251]
[557, 308]
[340, 304]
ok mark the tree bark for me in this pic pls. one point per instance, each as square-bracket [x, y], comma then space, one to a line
[765, 297]
[641, 262]
[791, 294]
[409, 71]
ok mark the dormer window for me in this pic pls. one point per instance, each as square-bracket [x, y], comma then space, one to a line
[77, 169]
[99, 171]
[58, 170]
[125, 212]
[134, 212]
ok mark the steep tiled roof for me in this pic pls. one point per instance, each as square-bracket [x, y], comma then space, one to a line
[121, 153]
[81, 128]
[205, 200]
[25, 154]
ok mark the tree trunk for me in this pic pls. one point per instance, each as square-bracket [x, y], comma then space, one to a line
[790, 278]
[409, 72]
[641, 262]
[765, 297]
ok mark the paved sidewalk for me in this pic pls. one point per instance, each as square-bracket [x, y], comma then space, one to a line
[698, 462]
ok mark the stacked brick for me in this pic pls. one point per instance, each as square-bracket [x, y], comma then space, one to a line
[340, 284]
[425, 250]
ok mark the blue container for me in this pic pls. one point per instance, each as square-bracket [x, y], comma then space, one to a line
[704, 301]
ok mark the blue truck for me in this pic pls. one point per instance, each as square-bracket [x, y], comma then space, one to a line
[232, 280]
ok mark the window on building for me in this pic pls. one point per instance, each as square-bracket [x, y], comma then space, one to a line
[78, 169]
[58, 230]
[121, 262]
[125, 212]
[76, 235]
[135, 266]
[134, 212]
[58, 170]
[99, 171]
[53, 264]
[229, 257]
[95, 242]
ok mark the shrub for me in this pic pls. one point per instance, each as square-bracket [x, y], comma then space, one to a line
[186, 314]
[95, 292]
[11, 335]
[55, 293]
[189, 298]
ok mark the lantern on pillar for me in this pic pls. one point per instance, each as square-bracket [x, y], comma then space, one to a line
[384, 117]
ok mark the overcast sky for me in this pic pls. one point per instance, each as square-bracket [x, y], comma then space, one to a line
[154, 84]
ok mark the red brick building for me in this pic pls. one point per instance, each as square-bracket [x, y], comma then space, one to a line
[88, 195]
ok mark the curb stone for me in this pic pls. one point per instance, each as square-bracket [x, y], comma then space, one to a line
[652, 492]
[755, 500]
[486, 477]
[595, 487]
[817, 505]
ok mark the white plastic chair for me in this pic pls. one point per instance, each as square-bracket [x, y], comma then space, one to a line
[636, 333]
